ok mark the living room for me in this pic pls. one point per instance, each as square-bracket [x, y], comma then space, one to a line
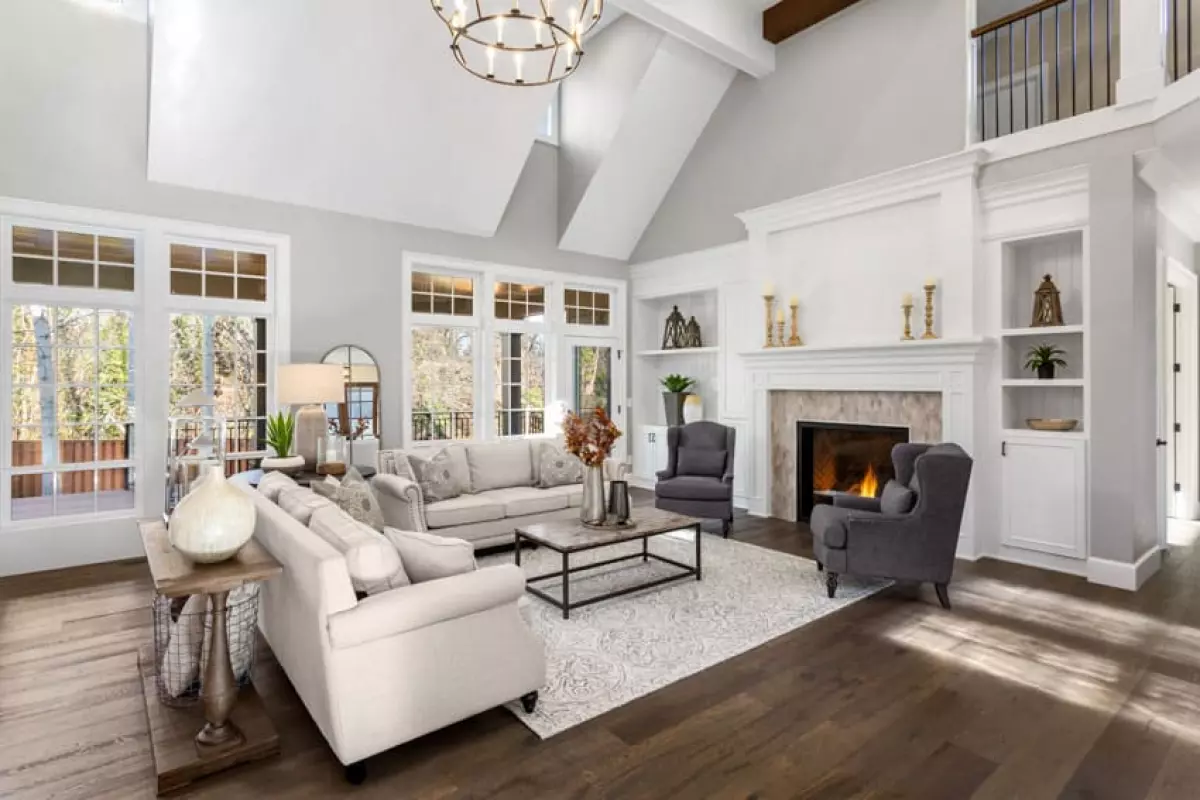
[734, 398]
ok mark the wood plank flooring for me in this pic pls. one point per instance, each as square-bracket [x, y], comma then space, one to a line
[1037, 685]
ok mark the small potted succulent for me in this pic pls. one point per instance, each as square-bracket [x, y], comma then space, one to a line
[676, 394]
[1043, 359]
[281, 435]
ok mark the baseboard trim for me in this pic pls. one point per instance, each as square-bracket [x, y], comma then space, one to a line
[1124, 575]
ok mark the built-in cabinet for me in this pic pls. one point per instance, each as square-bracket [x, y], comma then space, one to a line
[650, 452]
[1044, 481]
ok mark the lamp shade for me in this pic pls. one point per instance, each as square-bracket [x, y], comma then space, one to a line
[303, 384]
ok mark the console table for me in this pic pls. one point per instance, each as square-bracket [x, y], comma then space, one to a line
[221, 732]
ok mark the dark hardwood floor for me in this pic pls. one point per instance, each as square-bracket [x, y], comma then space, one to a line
[1037, 685]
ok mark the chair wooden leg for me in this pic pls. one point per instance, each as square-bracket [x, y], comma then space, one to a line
[726, 524]
[831, 583]
[820, 567]
[943, 595]
[356, 773]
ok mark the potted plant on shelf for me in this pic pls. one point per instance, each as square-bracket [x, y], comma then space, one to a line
[1043, 359]
[281, 436]
[673, 398]
[591, 440]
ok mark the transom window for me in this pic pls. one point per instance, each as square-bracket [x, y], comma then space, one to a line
[519, 302]
[451, 295]
[72, 411]
[72, 259]
[218, 272]
[587, 307]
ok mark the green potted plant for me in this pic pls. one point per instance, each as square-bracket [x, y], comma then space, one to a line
[1043, 358]
[281, 436]
[676, 393]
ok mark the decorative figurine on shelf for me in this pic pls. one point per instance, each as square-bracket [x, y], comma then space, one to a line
[930, 287]
[1047, 305]
[906, 304]
[674, 332]
[794, 340]
[769, 303]
[691, 334]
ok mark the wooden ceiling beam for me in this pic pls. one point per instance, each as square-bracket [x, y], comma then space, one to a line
[788, 17]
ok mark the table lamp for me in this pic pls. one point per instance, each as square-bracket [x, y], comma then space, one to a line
[309, 386]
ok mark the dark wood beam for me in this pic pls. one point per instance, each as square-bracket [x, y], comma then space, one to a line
[788, 17]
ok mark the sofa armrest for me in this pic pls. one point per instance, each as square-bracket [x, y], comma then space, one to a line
[401, 501]
[857, 503]
[420, 605]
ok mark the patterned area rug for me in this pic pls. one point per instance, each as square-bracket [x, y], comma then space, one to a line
[617, 650]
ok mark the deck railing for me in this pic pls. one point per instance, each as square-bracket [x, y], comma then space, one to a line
[460, 425]
[1183, 37]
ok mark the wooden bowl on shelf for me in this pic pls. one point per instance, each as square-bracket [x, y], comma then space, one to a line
[1055, 425]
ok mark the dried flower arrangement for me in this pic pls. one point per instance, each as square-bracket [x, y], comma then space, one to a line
[590, 438]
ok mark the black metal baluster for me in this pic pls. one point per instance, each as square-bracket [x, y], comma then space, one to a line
[1190, 7]
[1025, 75]
[980, 100]
[1057, 66]
[1091, 55]
[1175, 36]
[1041, 67]
[1012, 67]
[1074, 59]
[996, 82]
[1108, 52]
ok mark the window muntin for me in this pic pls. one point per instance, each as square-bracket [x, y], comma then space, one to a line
[71, 259]
[217, 272]
[519, 302]
[447, 295]
[443, 386]
[519, 365]
[587, 307]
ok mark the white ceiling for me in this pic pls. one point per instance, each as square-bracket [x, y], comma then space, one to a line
[355, 106]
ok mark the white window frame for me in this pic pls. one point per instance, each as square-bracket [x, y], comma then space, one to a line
[484, 322]
[553, 117]
[150, 304]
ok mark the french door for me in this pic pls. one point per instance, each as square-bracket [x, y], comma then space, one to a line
[595, 374]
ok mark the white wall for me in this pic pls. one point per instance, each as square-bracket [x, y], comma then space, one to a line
[878, 86]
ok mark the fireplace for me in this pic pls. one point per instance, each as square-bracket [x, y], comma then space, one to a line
[835, 458]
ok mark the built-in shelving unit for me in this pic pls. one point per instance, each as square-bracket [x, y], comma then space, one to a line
[1036, 383]
[679, 352]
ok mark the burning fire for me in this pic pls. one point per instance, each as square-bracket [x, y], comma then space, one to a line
[868, 486]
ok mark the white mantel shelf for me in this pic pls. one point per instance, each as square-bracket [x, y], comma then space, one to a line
[959, 349]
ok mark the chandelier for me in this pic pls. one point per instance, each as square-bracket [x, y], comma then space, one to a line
[519, 42]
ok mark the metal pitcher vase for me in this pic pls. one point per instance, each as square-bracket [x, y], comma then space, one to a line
[592, 511]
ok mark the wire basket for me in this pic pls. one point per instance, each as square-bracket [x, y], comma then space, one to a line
[182, 635]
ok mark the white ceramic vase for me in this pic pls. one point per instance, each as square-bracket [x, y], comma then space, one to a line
[214, 521]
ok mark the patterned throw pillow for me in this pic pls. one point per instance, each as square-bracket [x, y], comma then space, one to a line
[395, 462]
[556, 467]
[354, 496]
[438, 477]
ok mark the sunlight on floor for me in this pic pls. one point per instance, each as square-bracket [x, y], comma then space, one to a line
[1182, 532]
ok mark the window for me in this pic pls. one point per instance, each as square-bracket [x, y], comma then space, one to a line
[226, 356]
[519, 302]
[452, 295]
[592, 373]
[72, 259]
[520, 381]
[443, 390]
[72, 411]
[217, 272]
[585, 307]
[548, 127]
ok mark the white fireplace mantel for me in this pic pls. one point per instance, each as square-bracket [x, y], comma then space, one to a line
[951, 367]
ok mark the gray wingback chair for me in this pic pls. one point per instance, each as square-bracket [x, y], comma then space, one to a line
[698, 480]
[877, 537]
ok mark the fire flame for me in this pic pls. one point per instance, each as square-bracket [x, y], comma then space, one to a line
[869, 485]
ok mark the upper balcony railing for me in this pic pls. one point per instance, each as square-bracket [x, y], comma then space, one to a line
[1183, 37]
[1053, 60]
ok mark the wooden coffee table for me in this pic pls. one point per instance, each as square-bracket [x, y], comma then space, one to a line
[567, 537]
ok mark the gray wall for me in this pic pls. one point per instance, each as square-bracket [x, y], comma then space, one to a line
[73, 131]
[877, 87]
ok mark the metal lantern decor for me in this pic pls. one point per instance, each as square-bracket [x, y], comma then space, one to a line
[691, 334]
[519, 42]
[675, 331]
[195, 442]
[1047, 305]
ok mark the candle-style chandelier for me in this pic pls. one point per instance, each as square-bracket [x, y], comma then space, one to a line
[519, 42]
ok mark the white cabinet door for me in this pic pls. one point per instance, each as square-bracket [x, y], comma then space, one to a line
[650, 451]
[1045, 495]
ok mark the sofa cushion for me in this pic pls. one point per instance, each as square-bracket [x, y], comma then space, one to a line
[521, 501]
[700, 461]
[428, 557]
[462, 511]
[354, 496]
[444, 476]
[300, 503]
[573, 493]
[372, 561]
[273, 483]
[693, 487]
[557, 467]
[897, 498]
[500, 465]
[828, 524]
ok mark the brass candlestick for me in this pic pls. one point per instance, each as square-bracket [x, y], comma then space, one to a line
[795, 340]
[769, 302]
[779, 332]
[907, 337]
[930, 288]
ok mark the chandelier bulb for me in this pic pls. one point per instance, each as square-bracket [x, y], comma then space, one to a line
[491, 57]
[500, 31]
[537, 32]
[519, 62]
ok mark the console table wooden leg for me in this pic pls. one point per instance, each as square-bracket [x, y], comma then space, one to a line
[220, 687]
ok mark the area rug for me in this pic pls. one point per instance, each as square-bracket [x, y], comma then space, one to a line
[617, 650]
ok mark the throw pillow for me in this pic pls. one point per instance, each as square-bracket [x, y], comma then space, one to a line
[440, 477]
[273, 483]
[556, 467]
[897, 498]
[372, 561]
[354, 496]
[300, 503]
[699, 461]
[395, 462]
[180, 666]
[428, 557]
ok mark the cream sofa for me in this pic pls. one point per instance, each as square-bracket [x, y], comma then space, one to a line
[502, 491]
[378, 672]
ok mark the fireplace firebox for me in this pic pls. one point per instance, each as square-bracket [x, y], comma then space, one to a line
[835, 458]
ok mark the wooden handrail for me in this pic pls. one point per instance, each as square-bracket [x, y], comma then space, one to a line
[1016, 16]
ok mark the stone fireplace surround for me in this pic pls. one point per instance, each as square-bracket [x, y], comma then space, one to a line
[929, 386]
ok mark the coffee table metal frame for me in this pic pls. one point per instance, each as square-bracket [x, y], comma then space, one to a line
[565, 605]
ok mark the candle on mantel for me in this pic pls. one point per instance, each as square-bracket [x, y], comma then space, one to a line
[931, 281]
[794, 301]
[769, 290]
[906, 299]
[779, 316]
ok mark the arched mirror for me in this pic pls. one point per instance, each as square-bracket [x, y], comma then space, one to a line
[357, 416]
